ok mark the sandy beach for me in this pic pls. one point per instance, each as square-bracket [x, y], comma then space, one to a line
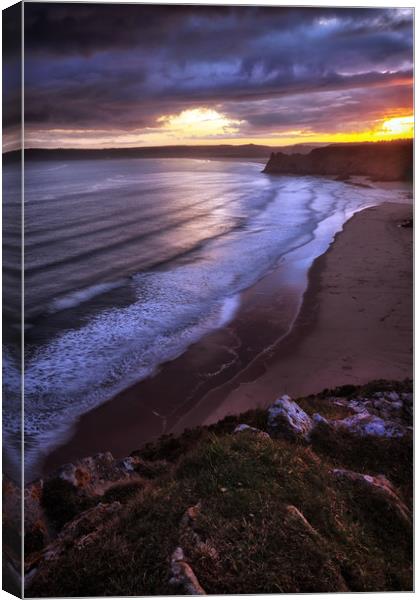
[354, 325]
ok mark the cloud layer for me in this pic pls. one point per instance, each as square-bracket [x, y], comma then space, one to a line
[116, 74]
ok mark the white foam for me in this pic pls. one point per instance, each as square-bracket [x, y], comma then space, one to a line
[11, 408]
[229, 309]
[79, 296]
[85, 367]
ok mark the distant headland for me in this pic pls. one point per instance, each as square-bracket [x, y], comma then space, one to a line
[249, 151]
[385, 161]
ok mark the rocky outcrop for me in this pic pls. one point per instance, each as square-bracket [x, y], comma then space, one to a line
[243, 428]
[79, 533]
[377, 486]
[386, 161]
[365, 424]
[95, 474]
[389, 405]
[286, 419]
[183, 577]
[11, 538]
[386, 414]
[72, 506]
[190, 536]
[37, 529]
[297, 519]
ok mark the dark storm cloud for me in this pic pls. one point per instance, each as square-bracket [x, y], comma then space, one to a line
[123, 66]
[63, 28]
[12, 73]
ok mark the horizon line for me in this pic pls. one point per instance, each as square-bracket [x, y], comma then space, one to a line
[210, 146]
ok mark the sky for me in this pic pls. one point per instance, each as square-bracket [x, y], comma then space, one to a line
[143, 75]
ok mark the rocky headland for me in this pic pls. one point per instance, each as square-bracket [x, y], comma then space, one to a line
[382, 161]
[309, 495]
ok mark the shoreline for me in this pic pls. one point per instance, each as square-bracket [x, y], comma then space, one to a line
[286, 367]
[236, 388]
[151, 407]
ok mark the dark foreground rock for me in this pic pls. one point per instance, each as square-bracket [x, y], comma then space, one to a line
[312, 495]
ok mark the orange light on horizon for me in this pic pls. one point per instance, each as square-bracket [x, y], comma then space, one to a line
[208, 126]
[401, 126]
[387, 129]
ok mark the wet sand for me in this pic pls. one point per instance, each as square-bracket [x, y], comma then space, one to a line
[354, 325]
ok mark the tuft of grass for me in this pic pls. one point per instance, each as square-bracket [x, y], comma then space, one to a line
[367, 390]
[61, 502]
[171, 448]
[122, 492]
[318, 404]
[387, 456]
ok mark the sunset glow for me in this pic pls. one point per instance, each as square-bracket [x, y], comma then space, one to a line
[208, 126]
[399, 126]
[269, 76]
[206, 123]
[199, 123]
[383, 130]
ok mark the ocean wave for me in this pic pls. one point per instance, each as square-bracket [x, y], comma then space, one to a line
[78, 297]
[84, 368]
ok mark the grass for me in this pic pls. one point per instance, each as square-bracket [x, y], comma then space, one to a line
[244, 484]
[61, 502]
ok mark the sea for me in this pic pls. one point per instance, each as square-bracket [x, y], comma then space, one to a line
[128, 262]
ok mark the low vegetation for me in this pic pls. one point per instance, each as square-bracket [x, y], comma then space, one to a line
[246, 490]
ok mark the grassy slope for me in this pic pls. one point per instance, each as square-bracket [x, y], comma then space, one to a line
[244, 484]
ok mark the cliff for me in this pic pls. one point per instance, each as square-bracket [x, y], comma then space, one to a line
[307, 496]
[385, 161]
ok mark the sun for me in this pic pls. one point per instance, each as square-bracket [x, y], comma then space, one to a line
[384, 129]
[399, 126]
[198, 123]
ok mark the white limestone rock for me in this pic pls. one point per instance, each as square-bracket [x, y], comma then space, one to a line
[182, 575]
[287, 419]
[244, 428]
[365, 424]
